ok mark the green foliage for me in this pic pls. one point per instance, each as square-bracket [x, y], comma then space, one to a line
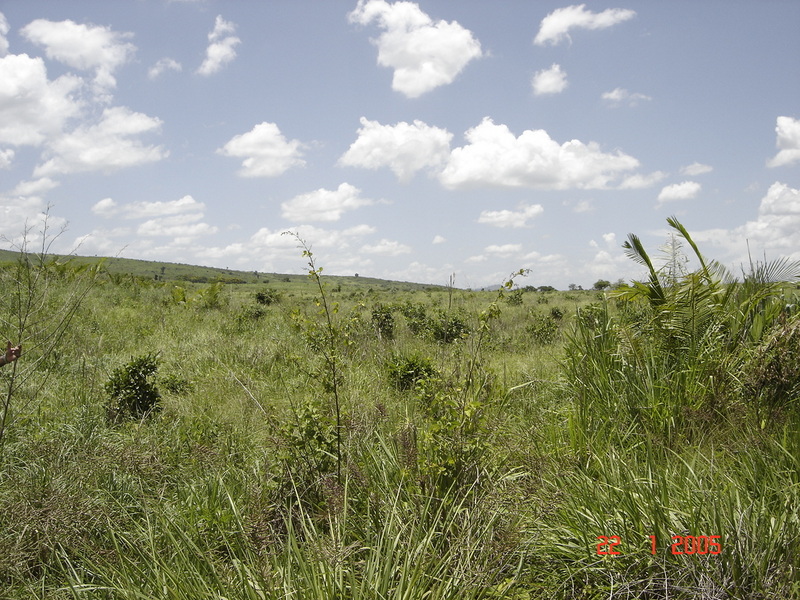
[453, 441]
[448, 326]
[175, 384]
[514, 298]
[132, 391]
[676, 356]
[543, 329]
[309, 442]
[405, 372]
[416, 317]
[772, 372]
[383, 321]
[490, 476]
[211, 297]
[601, 284]
[268, 296]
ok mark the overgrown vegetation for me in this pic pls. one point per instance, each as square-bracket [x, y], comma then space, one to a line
[323, 442]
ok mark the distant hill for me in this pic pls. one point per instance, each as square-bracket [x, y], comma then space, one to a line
[179, 272]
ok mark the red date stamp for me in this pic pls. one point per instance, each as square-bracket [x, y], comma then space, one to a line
[681, 544]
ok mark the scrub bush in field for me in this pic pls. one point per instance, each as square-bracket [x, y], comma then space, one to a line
[383, 321]
[773, 374]
[416, 317]
[132, 390]
[514, 298]
[543, 329]
[405, 372]
[448, 327]
[268, 296]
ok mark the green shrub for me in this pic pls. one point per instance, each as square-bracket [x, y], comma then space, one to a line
[268, 296]
[383, 321]
[772, 375]
[448, 327]
[416, 317]
[132, 391]
[405, 372]
[514, 298]
[543, 329]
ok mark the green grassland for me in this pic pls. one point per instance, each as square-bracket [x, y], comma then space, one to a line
[338, 438]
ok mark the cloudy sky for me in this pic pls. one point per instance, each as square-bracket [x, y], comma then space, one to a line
[402, 140]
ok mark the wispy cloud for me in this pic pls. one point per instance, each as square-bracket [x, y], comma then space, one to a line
[221, 48]
[511, 218]
[556, 26]
[620, 96]
[163, 65]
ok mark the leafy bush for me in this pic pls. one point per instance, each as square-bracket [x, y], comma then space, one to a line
[416, 317]
[514, 298]
[773, 373]
[406, 371]
[383, 321]
[248, 315]
[268, 296]
[132, 391]
[448, 327]
[543, 329]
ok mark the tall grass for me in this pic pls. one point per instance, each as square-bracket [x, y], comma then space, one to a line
[478, 465]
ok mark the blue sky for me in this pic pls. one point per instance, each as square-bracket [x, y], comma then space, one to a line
[402, 140]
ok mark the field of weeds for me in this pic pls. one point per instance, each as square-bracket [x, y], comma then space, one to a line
[243, 441]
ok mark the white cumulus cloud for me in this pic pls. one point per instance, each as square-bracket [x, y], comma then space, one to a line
[405, 148]
[266, 152]
[33, 109]
[775, 230]
[788, 142]
[494, 156]
[511, 218]
[549, 81]
[555, 27]
[221, 48]
[685, 190]
[324, 205]
[84, 47]
[424, 54]
[109, 145]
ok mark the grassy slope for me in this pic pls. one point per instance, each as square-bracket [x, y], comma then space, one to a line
[476, 484]
[165, 271]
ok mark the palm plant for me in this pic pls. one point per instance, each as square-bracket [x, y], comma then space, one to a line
[684, 351]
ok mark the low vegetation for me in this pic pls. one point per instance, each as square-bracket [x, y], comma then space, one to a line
[325, 439]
